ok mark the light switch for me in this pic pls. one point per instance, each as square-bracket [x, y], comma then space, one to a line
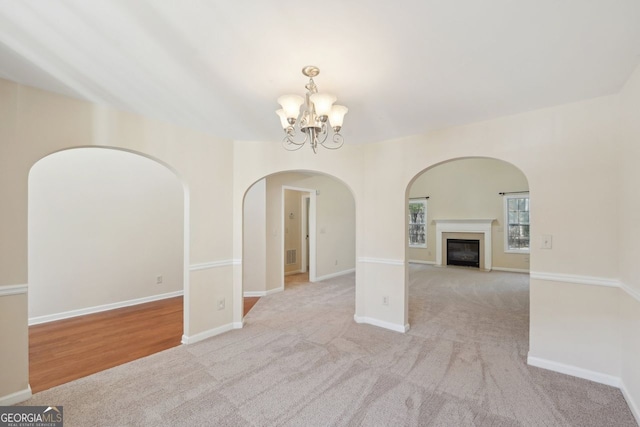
[546, 241]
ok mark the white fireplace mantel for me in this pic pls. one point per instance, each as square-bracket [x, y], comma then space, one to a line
[482, 226]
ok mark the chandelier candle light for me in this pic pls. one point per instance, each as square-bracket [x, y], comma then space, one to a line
[317, 108]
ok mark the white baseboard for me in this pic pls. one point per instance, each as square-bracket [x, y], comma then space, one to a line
[381, 323]
[262, 293]
[419, 261]
[238, 325]
[99, 308]
[633, 406]
[208, 334]
[254, 294]
[574, 371]
[17, 397]
[337, 274]
[510, 270]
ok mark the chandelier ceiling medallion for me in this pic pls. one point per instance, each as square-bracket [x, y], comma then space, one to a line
[317, 109]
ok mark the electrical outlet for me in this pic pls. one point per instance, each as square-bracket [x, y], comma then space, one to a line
[385, 300]
[159, 280]
[221, 303]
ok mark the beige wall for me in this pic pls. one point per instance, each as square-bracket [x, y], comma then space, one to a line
[468, 189]
[254, 256]
[629, 234]
[36, 123]
[14, 348]
[103, 224]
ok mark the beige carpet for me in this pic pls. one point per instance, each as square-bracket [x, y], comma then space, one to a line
[301, 360]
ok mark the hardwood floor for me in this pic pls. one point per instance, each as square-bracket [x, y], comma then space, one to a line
[69, 349]
[249, 302]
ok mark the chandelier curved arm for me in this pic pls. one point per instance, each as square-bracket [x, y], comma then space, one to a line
[324, 133]
[337, 142]
[288, 141]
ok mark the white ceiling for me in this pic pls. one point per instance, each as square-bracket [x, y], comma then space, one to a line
[402, 67]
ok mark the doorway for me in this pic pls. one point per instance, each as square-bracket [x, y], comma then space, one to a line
[299, 232]
[459, 195]
[106, 233]
[324, 209]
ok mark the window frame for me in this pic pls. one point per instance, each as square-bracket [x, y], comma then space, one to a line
[506, 198]
[423, 202]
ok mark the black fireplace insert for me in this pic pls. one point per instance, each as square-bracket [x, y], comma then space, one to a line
[463, 252]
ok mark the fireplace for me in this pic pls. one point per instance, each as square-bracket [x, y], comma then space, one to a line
[469, 229]
[463, 252]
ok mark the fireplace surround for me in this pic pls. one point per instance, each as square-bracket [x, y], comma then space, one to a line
[464, 229]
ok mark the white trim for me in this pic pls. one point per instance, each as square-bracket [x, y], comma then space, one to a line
[17, 397]
[254, 293]
[208, 334]
[481, 226]
[262, 293]
[304, 234]
[571, 278]
[586, 280]
[633, 406]
[7, 290]
[381, 261]
[419, 261]
[291, 273]
[632, 293]
[381, 323]
[214, 264]
[574, 371]
[336, 274]
[100, 308]
[238, 325]
[511, 270]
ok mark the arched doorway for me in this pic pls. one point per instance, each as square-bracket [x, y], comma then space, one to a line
[106, 231]
[468, 257]
[275, 230]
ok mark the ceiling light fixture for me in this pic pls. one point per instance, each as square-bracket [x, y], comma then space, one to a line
[317, 108]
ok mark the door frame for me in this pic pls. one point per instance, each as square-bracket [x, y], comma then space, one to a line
[306, 198]
[311, 194]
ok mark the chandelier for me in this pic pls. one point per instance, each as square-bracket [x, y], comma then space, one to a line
[317, 109]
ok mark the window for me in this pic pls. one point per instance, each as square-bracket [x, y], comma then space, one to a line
[417, 223]
[517, 223]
